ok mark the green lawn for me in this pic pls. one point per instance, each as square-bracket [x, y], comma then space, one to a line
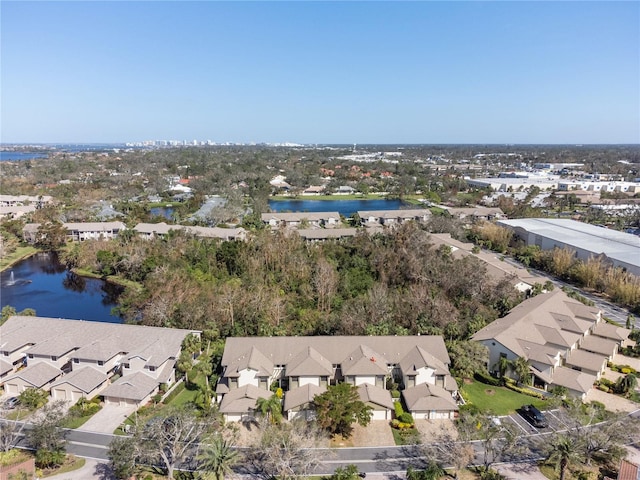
[499, 400]
[19, 254]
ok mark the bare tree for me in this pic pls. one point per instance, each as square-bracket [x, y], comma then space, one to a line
[9, 434]
[450, 451]
[170, 439]
[325, 281]
[286, 450]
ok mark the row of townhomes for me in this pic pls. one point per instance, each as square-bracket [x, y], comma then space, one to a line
[79, 232]
[368, 218]
[15, 206]
[304, 366]
[565, 342]
[71, 359]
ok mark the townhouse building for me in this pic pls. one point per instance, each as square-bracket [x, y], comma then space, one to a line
[305, 366]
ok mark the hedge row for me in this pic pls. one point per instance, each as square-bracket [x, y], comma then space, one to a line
[484, 377]
[175, 392]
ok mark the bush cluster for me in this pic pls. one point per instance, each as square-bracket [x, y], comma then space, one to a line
[403, 420]
[484, 377]
[511, 385]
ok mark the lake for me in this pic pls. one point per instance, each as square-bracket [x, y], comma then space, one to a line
[166, 212]
[42, 283]
[346, 208]
[9, 156]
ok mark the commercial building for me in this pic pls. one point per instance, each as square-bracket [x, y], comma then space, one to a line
[619, 248]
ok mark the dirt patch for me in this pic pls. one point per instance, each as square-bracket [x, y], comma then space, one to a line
[490, 391]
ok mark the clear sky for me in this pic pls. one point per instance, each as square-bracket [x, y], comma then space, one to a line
[321, 72]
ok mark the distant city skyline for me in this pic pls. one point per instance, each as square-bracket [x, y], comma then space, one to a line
[320, 72]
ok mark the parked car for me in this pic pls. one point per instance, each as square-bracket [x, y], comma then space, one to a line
[11, 403]
[534, 416]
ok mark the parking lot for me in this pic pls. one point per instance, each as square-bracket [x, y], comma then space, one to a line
[525, 428]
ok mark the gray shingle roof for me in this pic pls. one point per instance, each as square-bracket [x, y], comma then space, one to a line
[418, 358]
[5, 367]
[302, 395]
[612, 332]
[375, 395]
[594, 344]
[131, 387]
[309, 362]
[94, 340]
[281, 350]
[588, 360]
[85, 379]
[364, 361]
[573, 379]
[255, 360]
[553, 310]
[38, 374]
[426, 397]
[243, 399]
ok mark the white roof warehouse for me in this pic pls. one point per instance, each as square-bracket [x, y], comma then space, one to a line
[622, 249]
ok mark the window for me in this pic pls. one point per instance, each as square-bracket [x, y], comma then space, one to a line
[31, 355]
[152, 369]
[76, 360]
[54, 358]
[100, 363]
[126, 365]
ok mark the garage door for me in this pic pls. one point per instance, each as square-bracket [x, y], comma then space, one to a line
[76, 395]
[379, 415]
[12, 388]
[60, 394]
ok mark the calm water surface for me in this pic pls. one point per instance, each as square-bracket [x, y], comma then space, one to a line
[345, 208]
[42, 283]
[7, 156]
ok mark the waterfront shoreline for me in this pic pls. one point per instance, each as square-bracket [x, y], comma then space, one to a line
[13, 261]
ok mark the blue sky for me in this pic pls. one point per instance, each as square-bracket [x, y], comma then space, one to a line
[321, 72]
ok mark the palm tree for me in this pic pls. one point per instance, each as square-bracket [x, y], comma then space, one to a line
[270, 408]
[562, 450]
[503, 366]
[521, 368]
[217, 458]
[625, 385]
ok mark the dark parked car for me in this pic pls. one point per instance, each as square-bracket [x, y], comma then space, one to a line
[534, 416]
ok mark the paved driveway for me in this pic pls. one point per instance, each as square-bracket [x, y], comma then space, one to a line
[108, 419]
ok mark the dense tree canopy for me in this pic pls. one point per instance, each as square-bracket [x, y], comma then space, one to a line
[339, 408]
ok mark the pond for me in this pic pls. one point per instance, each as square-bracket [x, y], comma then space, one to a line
[166, 212]
[346, 208]
[41, 282]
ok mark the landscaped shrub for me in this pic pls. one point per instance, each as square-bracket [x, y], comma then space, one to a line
[397, 424]
[470, 408]
[397, 407]
[406, 417]
[484, 377]
[525, 391]
[84, 408]
[48, 459]
[395, 393]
